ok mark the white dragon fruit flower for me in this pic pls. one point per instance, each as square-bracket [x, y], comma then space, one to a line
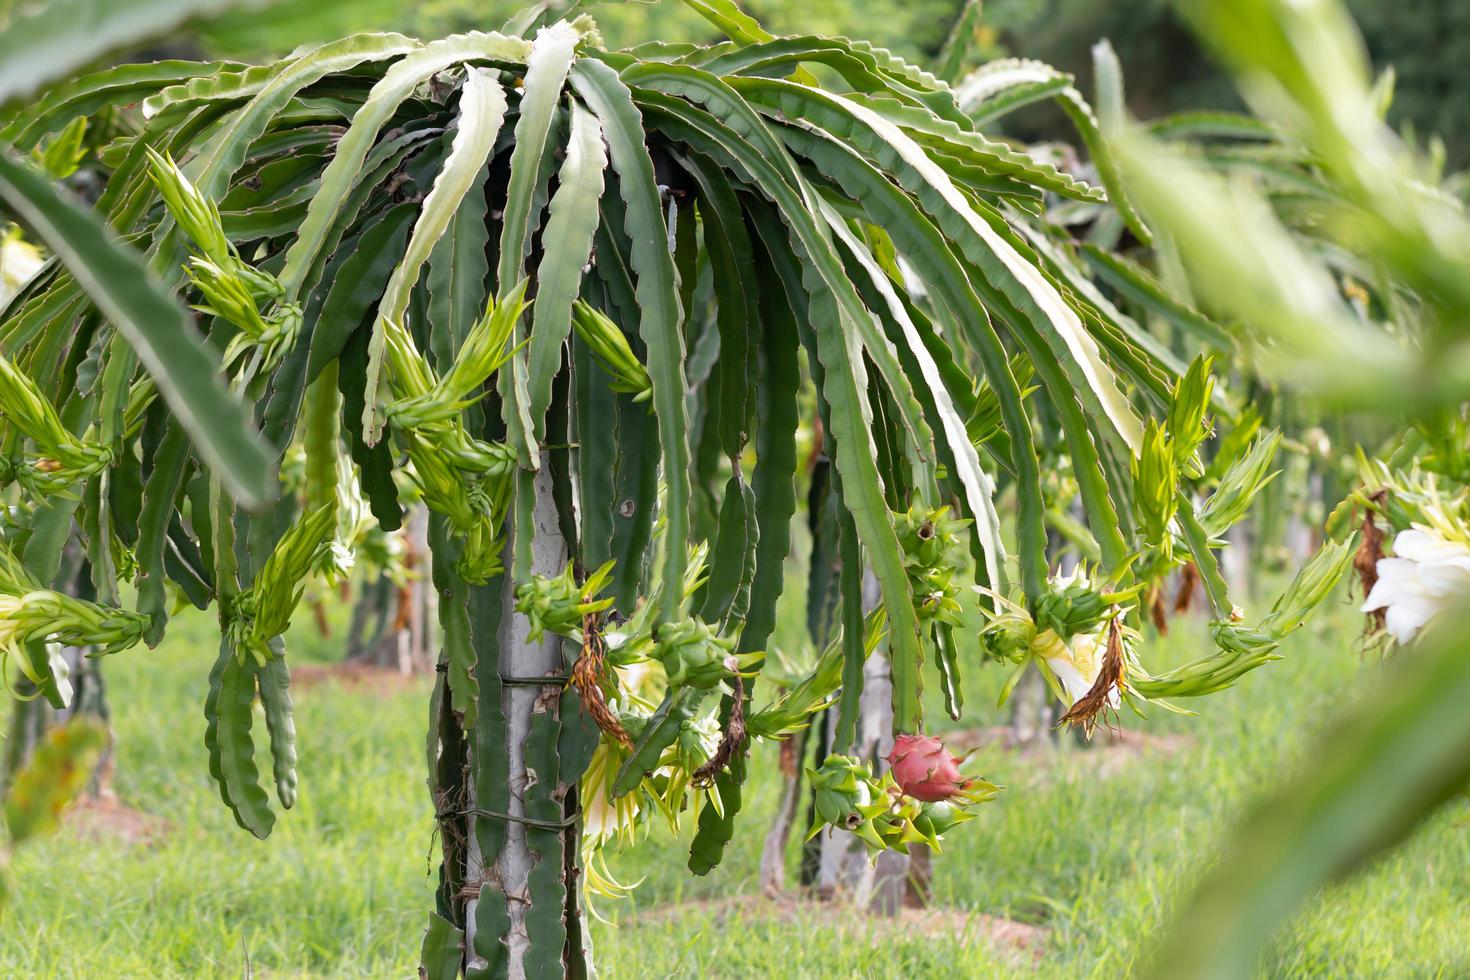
[19, 261]
[1074, 664]
[1426, 576]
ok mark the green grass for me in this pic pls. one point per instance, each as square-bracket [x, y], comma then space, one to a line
[342, 886]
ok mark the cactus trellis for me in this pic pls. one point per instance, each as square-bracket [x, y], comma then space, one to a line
[573, 300]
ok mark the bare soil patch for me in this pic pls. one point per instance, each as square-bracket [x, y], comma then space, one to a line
[1019, 943]
[366, 678]
[107, 819]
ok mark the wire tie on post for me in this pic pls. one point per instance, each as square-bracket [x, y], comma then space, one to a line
[562, 824]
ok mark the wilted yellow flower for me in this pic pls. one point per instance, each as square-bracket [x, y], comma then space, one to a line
[605, 817]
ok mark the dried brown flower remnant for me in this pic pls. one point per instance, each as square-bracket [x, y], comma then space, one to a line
[1157, 611]
[587, 675]
[1365, 561]
[732, 738]
[1098, 699]
[1188, 582]
[787, 758]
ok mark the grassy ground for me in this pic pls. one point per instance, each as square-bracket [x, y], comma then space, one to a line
[1093, 846]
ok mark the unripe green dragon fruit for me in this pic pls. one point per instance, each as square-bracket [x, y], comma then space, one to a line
[880, 812]
[694, 654]
[935, 818]
[932, 551]
[1008, 636]
[1071, 606]
[845, 795]
[558, 605]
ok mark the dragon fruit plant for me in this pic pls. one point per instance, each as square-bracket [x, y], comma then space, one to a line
[575, 300]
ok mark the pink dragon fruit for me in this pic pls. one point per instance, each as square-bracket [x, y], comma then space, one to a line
[925, 770]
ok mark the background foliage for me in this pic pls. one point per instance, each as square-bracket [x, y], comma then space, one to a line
[1097, 861]
[1427, 43]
